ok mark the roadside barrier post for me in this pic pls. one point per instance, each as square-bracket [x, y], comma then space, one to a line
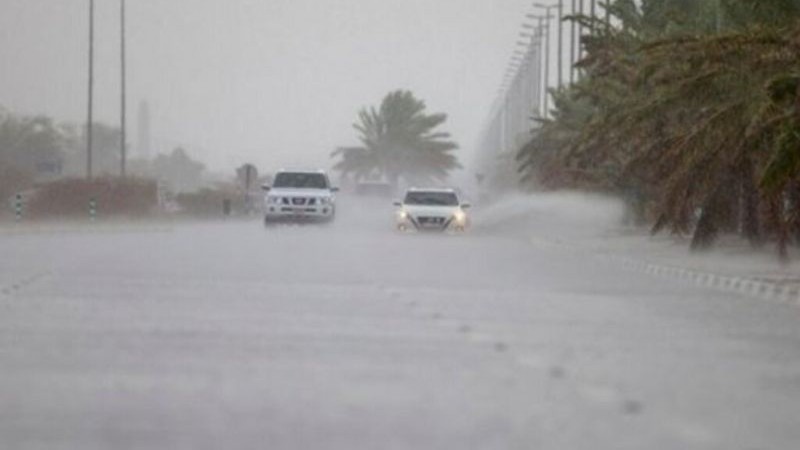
[92, 209]
[18, 207]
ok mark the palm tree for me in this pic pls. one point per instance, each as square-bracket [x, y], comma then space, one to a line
[399, 141]
[693, 105]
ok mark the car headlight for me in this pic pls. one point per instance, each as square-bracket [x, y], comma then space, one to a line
[460, 217]
[325, 200]
[402, 214]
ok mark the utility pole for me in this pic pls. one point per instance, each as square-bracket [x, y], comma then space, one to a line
[123, 122]
[560, 42]
[580, 33]
[580, 30]
[593, 13]
[91, 93]
[572, 41]
[546, 30]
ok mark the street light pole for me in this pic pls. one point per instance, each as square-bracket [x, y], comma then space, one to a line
[91, 93]
[572, 41]
[123, 153]
[560, 43]
[580, 30]
[536, 48]
[546, 30]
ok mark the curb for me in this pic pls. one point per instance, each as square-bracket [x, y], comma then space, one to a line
[741, 285]
[747, 286]
[88, 229]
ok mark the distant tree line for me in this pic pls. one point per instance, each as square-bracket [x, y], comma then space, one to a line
[36, 149]
[690, 110]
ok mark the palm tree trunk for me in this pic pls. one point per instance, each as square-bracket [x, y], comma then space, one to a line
[708, 226]
[660, 224]
[777, 217]
[794, 211]
[749, 217]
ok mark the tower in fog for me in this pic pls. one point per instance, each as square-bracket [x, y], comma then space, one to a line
[143, 149]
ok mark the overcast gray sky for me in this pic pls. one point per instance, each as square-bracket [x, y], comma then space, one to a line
[274, 82]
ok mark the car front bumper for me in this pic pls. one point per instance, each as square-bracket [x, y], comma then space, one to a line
[438, 224]
[277, 213]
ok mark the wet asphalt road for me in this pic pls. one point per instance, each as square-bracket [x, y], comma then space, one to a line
[348, 336]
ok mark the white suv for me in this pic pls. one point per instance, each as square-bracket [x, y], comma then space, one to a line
[431, 210]
[300, 196]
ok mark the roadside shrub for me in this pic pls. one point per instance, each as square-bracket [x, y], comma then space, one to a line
[209, 202]
[117, 197]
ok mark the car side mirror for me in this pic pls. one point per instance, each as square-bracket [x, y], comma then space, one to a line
[265, 188]
[334, 189]
[397, 203]
[466, 206]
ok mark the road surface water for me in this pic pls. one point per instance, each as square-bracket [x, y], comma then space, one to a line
[350, 336]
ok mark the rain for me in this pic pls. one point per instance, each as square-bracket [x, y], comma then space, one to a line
[394, 224]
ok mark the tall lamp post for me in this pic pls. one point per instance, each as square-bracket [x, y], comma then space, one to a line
[534, 36]
[560, 16]
[123, 99]
[580, 29]
[91, 93]
[544, 31]
[572, 42]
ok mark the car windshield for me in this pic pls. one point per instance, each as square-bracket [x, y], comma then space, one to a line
[431, 198]
[300, 180]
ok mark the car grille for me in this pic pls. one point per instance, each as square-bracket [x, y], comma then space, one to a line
[431, 221]
[299, 201]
